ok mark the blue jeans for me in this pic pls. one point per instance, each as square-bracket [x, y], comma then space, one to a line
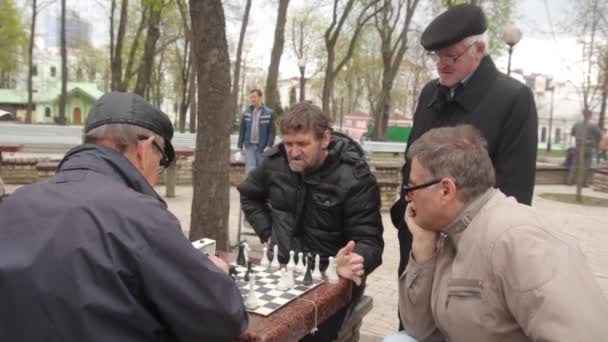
[399, 337]
[253, 157]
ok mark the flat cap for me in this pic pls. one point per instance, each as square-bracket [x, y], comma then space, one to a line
[452, 26]
[132, 109]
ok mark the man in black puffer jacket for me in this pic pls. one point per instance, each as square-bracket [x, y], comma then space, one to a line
[315, 193]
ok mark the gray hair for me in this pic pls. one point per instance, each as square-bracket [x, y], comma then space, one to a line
[483, 37]
[121, 135]
[458, 152]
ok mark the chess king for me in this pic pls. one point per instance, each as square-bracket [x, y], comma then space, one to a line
[314, 193]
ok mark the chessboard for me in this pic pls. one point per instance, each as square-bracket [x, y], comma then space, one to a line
[269, 297]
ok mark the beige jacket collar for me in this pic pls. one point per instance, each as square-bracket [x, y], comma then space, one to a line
[454, 230]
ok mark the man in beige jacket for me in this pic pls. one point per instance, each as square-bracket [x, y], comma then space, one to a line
[484, 267]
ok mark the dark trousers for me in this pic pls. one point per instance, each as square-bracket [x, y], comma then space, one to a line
[328, 330]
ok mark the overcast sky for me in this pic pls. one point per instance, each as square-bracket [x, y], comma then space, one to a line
[544, 48]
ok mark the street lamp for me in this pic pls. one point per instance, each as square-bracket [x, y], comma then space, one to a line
[551, 88]
[511, 35]
[302, 65]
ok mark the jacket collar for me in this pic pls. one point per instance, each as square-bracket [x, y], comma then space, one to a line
[107, 162]
[469, 93]
[454, 230]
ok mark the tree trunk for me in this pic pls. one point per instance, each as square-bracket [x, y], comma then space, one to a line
[392, 55]
[328, 82]
[272, 93]
[129, 73]
[237, 63]
[64, 69]
[116, 49]
[188, 71]
[145, 70]
[30, 67]
[331, 38]
[212, 157]
[192, 89]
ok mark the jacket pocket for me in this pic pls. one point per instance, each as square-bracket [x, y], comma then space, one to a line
[326, 213]
[465, 290]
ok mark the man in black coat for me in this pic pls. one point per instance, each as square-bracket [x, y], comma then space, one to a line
[470, 90]
[93, 254]
[314, 192]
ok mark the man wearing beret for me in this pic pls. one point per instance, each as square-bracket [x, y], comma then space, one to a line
[93, 254]
[471, 90]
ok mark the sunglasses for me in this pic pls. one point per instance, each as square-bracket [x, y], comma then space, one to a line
[409, 188]
[164, 161]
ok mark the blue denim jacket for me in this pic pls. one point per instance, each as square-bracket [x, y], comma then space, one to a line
[266, 128]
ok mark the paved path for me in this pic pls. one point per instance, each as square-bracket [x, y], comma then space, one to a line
[588, 224]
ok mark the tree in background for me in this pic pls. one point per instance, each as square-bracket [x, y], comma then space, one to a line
[333, 33]
[36, 8]
[12, 40]
[155, 8]
[209, 218]
[237, 62]
[272, 98]
[116, 44]
[64, 69]
[393, 28]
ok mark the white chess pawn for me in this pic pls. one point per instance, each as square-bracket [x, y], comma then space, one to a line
[316, 273]
[331, 272]
[300, 268]
[252, 300]
[291, 264]
[265, 262]
[274, 265]
[283, 285]
[291, 283]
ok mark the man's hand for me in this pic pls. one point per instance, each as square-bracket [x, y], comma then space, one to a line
[221, 264]
[424, 241]
[350, 264]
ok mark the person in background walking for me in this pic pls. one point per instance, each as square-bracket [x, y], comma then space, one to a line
[257, 131]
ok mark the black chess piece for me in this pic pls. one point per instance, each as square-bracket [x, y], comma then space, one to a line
[233, 272]
[308, 275]
[246, 277]
[240, 259]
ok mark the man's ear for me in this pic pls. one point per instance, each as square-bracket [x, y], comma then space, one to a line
[326, 139]
[448, 188]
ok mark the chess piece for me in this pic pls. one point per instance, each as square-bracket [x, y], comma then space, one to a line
[246, 250]
[240, 259]
[283, 284]
[291, 283]
[233, 272]
[252, 300]
[300, 268]
[248, 273]
[316, 274]
[291, 264]
[274, 265]
[308, 276]
[265, 262]
[332, 272]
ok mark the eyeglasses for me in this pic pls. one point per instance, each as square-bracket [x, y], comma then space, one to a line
[450, 60]
[164, 161]
[410, 187]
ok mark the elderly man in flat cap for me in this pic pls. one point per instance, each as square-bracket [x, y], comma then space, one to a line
[471, 90]
[93, 254]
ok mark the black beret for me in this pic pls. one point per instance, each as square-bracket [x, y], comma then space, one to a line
[132, 109]
[452, 26]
